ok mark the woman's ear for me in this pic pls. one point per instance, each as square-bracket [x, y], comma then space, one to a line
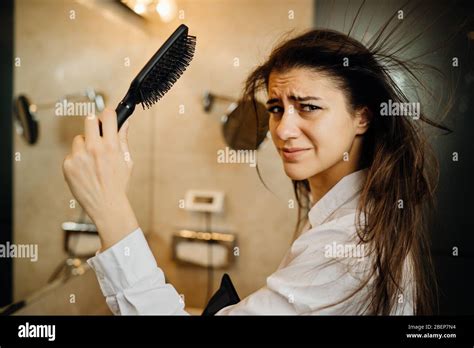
[362, 120]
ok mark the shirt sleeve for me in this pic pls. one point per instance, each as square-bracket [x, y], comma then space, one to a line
[133, 284]
[131, 281]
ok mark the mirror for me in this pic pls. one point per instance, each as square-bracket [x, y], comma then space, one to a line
[240, 125]
[26, 122]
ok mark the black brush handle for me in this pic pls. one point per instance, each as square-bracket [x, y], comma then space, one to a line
[124, 110]
[13, 308]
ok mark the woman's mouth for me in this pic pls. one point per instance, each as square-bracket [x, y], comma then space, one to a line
[293, 153]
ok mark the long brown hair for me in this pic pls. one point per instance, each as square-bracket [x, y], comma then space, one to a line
[401, 168]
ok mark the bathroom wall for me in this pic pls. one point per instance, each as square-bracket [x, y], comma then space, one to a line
[172, 151]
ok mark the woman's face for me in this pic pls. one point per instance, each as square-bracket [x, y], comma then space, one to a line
[310, 123]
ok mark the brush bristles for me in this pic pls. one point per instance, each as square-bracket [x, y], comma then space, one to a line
[168, 70]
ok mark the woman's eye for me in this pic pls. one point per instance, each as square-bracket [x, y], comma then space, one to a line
[275, 110]
[303, 107]
[309, 107]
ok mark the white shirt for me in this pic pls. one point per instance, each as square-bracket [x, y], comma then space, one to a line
[322, 267]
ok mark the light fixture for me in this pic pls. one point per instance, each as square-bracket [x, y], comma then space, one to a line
[164, 9]
[139, 8]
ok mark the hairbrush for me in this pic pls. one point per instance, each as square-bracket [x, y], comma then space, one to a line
[159, 74]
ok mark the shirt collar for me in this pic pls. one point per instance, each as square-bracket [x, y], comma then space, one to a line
[342, 192]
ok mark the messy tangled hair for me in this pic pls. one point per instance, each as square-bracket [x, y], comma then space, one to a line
[400, 164]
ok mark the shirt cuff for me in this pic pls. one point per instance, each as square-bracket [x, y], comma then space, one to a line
[125, 263]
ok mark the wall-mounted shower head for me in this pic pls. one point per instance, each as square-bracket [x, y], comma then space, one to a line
[209, 99]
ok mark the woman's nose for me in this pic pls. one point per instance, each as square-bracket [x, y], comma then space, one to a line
[288, 128]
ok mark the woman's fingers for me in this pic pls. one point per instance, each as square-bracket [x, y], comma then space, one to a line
[78, 144]
[91, 130]
[109, 126]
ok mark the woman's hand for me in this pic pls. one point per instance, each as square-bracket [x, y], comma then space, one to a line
[98, 171]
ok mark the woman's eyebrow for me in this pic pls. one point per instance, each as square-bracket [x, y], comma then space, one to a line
[292, 97]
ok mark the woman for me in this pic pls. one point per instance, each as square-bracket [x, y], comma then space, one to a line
[361, 171]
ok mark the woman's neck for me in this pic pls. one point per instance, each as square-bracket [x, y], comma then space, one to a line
[321, 183]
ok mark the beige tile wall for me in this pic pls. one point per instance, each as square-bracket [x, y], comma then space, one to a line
[172, 152]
